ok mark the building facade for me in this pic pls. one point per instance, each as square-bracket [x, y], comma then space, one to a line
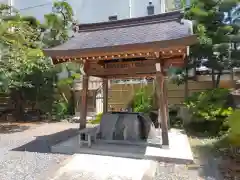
[92, 11]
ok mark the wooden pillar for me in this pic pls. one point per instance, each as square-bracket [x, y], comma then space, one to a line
[166, 102]
[186, 91]
[83, 106]
[105, 95]
[162, 113]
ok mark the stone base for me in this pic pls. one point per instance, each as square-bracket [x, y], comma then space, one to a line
[179, 150]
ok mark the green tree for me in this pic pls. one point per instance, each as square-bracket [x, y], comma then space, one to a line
[58, 24]
[235, 14]
[21, 57]
[59, 29]
[215, 35]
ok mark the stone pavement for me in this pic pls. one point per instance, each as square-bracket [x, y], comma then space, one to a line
[96, 167]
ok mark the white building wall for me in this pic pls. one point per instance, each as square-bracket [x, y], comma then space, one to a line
[5, 1]
[91, 11]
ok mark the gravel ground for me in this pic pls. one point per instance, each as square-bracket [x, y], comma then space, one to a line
[167, 171]
[25, 155]
[17, 163]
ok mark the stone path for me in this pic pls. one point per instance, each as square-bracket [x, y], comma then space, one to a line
[97, 167]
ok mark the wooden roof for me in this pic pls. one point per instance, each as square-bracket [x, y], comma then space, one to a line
[150, 32]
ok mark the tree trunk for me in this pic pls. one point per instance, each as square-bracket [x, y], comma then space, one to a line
[71, 103]
[218, 79]
[186, 85]
[17, 98]
[213, 79]
[232, 79]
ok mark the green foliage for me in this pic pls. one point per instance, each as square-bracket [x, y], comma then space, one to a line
[209, 105]
[209, 111]
[215, 29]
[20, 52]
[58, 24]
[98, 119]
[234, 124]
[176, 75]
[175, 121]
[60, 109]
[142, 101]
[25, 74]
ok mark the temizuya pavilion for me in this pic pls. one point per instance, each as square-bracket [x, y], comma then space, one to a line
[136, 47]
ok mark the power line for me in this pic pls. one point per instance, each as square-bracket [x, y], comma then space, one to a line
[31, 7]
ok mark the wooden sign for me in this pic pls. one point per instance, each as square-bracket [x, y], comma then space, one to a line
[122, 68]
[131, 68]
[125, 65]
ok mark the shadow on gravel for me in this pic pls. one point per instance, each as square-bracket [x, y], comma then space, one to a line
[12, 128]
[42, 144]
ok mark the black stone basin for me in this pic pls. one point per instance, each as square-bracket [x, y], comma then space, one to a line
[126, 126]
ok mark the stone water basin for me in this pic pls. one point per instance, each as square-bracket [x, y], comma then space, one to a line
[127, 128]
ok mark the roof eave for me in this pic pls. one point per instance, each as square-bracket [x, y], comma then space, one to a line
[98, 51]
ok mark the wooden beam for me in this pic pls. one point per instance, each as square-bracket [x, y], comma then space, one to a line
[105, 95]
[83, 107]
[145, 53]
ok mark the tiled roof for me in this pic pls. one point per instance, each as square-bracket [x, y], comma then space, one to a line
[142, 30]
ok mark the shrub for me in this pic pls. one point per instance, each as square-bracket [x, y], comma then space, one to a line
[142, 101]
[209, 105]
[60, 109]
[175, 121]
[209, 111]
[234, 125]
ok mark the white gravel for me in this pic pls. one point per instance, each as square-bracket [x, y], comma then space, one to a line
[168, 171]
[39, 164]
[25, 156]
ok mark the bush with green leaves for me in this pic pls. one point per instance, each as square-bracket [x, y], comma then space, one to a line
[234, 125]
[142, 101]
[60, 109]
[209, 105]
[209, 111]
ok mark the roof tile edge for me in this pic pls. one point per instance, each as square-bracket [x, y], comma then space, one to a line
[163, 17]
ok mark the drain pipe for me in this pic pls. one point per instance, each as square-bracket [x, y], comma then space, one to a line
[130, 8]
[11, 4]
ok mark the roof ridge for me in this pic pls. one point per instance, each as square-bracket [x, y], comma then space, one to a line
[163, 17]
